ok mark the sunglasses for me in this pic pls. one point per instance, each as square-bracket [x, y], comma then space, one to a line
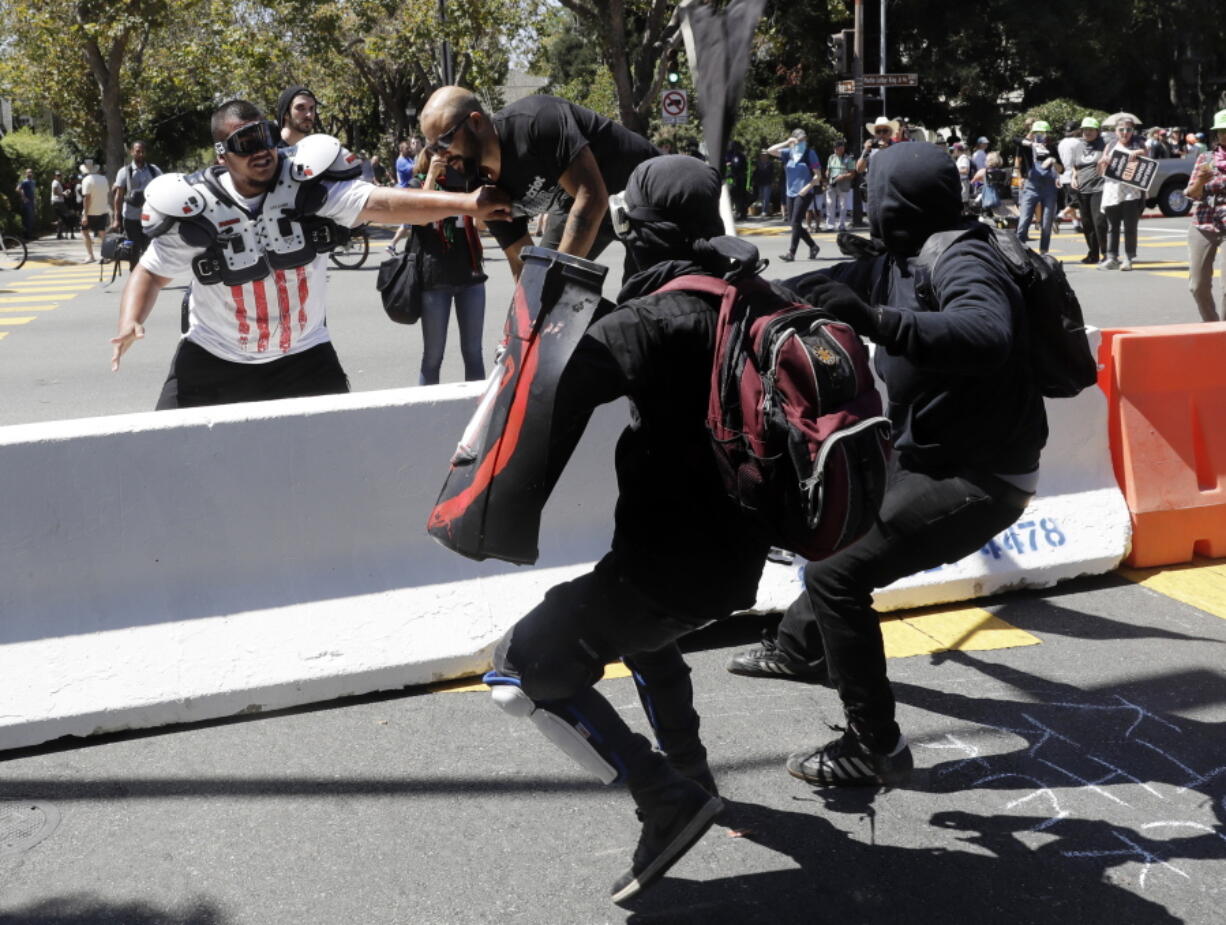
[881, 131]
[445, 140]
[247, 140]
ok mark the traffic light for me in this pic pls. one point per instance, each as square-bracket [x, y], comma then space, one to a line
[838, 52]
[674, 72]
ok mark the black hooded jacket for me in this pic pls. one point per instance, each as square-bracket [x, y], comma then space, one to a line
[960, 391]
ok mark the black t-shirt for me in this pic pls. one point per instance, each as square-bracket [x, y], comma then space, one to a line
[541, 136]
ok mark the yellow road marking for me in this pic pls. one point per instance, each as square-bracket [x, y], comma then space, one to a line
[968, 629]
[3, 334]
[1200, 583]
[28, 308]
[32, 297]
[22, 320]
[36, 286]
[913, 632]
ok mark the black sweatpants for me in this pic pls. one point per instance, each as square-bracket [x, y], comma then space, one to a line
[924, 521]
[197, 377]
[135, 232]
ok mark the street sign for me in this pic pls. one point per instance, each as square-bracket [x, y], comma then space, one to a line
[847, 87]
[675, 107]
[891, 80]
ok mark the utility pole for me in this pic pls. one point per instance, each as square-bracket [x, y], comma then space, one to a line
[857, 109]
[881, 59]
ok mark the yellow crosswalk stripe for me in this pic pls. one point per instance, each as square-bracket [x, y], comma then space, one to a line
[1200, 583]
[941, 629]
[3, 334]
[19, 320]
[29, 308]
[31, 297]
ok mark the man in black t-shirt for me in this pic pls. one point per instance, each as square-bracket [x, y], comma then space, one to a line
[550, 155]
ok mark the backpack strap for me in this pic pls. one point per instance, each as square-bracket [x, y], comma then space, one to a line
[694, 283]
[924, 267]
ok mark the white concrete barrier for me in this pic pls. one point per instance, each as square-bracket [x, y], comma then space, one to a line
[178, 566]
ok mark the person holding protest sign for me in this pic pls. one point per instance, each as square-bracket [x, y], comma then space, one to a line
[1122, 202]
[1207, 189]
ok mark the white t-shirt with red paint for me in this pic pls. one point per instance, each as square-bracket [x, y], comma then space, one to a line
[272, 317]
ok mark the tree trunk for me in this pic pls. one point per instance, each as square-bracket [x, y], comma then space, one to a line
[105, 71]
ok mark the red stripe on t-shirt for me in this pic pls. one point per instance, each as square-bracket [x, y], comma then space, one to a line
[240, 315]
[304, 292]
[261, 314]
[287, 329]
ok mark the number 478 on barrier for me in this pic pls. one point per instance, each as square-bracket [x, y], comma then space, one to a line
[1023, 537]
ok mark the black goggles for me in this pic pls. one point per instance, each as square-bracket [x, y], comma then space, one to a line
[444, 141]
[247, 140]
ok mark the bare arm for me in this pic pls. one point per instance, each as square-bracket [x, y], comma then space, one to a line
[1196, 185]
[117, 206]
[392, 205]
[134, 307]
[583, 181]
[512, 252]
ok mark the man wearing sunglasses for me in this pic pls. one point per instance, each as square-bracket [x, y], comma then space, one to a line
[255, 231]
[551, 156]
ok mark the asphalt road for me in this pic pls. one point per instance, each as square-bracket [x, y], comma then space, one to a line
[1079, 779]
[55, 355]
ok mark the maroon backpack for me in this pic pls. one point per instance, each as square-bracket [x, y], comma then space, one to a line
[794, 416]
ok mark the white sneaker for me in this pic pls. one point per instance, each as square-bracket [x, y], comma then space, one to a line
[1111, 263]
[1126, 263]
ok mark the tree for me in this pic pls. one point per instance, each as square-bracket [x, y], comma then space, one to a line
[634, 37]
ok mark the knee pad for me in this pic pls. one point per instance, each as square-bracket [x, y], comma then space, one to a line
[558, 725]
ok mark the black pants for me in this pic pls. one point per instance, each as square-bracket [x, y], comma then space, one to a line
[559, 649]
[800, 207]
[198, 378]
[134, 232]
[555, 226]
[1093, 223]
[1127, 214]
[925, 521]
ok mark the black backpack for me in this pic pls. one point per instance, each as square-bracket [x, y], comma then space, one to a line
[1060, 355]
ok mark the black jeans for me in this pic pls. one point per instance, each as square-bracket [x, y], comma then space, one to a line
[1129, 215]
[1093, 223]
[925, 521]
[559, 649]
[800, 207]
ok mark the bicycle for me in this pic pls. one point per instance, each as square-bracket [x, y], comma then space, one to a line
[353, 250]
[12, 252]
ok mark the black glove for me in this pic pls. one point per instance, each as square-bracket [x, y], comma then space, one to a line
[840, 300]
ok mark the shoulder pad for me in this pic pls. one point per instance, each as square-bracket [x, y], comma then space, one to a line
[312, 157]
[173, 196]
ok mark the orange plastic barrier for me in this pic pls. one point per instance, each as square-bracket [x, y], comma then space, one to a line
[1166, 399]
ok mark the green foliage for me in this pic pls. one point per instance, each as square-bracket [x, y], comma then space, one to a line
[760, 127]
[1056, 112]
[596, 93]
[45, 154]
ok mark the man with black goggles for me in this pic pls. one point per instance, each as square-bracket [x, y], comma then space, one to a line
[255, 231]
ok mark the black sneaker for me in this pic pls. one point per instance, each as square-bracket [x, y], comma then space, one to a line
[671, 826]
[787, 258]
[847, 762]
[813, 251]
[769, 661]
[696, 769]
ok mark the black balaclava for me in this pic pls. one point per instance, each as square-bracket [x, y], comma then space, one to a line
[913, 192]
[286, 99]
[672, 201]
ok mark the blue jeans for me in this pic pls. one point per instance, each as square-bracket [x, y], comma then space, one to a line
[435, 312]
[766, 194]
[1031, 197]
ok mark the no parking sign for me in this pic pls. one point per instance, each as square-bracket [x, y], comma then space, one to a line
[674, 107]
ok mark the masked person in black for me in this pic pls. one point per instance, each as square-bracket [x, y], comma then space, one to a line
[552, 156]
[656, 349]
[968, 425]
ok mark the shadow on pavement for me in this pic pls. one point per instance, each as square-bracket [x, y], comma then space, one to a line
[840, 879]
[87, 909]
